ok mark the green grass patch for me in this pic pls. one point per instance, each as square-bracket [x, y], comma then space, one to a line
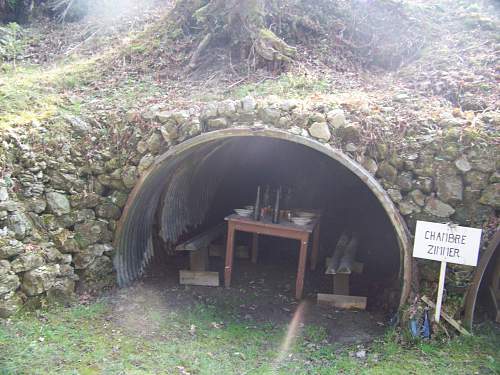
[288, 85]
[203, 339]
[32, 93]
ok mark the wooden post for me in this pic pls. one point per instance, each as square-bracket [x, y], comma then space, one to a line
[229, 255]
[315, 248]
[299, 286]
[255, 247]
[341, 283]
[439, 301]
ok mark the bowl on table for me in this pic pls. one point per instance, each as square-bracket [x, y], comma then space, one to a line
[301, 220]
[305, 214]
[243, 212]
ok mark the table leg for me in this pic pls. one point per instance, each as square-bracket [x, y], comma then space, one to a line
[299, 287]
[315, 248]
[229, 254]
[255, 247]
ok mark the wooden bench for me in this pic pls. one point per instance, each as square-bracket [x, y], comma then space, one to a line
[197, 246]
[341, 297]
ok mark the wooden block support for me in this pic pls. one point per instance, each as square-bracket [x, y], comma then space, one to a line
[198, 260]
[341, 284]
[357, 267]
[342, 302]
[204, 278]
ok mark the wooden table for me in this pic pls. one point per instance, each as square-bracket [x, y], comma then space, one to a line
[283, 229]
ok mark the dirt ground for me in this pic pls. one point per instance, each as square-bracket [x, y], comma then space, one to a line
[259, 294]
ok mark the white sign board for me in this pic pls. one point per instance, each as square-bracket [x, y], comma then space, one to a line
[446, 243]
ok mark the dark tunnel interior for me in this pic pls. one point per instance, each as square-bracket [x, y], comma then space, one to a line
[205, 186]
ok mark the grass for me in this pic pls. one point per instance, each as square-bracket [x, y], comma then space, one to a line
[203, 340]
[290, 85]
[31, 93]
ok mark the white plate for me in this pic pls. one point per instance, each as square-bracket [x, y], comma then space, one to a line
[305, 214]
[301, 220]
[243, 211]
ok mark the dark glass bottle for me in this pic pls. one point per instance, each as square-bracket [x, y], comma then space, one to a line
[276, 211]
[266, 202]
[256, 207]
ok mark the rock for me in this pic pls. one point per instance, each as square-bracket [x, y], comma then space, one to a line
[91, 232]
[63, 291]
[248, 104]
[463, 164]
[449, 187]
[288, 105]
[425, 184]
[154, 143]
[495, 177]
[66, 181]
[36, 205]
[209, 111]
[320, 131]
[4, 268]
[351, 147]
[361, 354]
[349, 133]
[9, 206]
[58, 203]
[119, 198]
[10, 248]
[395, 195]
[226, 108]
[108, 210]
[98, 275]
[84, 200]
[336, 118]
[146, 162]
[10, 303]
[113, 180]
[20, 224]
[405, 181]
[40, 279]
[438, 208]
[387, 172]
[9, 282]
[129, 176]
[85, 257]
[4, 194]
[370, 165]
[407, 207]
[491, 196]
[52, 255]
[141, 147]
[269, 115]
[476, 180]
[217, 123]
[418, 197]
[26, 262]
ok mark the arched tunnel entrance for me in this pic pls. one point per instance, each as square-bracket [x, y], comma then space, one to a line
[196, 184]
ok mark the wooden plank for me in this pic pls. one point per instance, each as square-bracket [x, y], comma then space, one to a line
[341, 284]
[203, 278]
[342, 302]
[202, 240]
[357, 267]
[447, 317]
[198, 260]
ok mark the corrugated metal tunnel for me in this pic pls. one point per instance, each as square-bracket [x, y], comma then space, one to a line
[197, 183]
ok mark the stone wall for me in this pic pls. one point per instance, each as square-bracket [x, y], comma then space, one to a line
[65, 182]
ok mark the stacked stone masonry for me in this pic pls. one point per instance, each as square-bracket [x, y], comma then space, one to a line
[64, 185]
